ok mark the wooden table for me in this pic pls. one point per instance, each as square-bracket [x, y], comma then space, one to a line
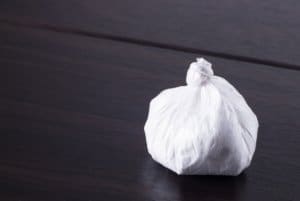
[76, 79]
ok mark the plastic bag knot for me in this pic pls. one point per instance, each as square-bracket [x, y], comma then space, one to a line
[199, 72]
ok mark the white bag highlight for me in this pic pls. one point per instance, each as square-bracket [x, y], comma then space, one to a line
[205, 127]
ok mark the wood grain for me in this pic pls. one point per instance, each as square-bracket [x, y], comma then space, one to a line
[72, 111]
[264, 32]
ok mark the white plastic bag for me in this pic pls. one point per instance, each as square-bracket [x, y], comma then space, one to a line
[205, 127]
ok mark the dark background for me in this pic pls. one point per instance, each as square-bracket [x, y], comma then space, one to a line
[76, 78]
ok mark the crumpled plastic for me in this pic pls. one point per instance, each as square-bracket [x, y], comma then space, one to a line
[203, 128]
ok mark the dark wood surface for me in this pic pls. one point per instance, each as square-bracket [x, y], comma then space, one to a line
[73, 107]
[259, 31]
